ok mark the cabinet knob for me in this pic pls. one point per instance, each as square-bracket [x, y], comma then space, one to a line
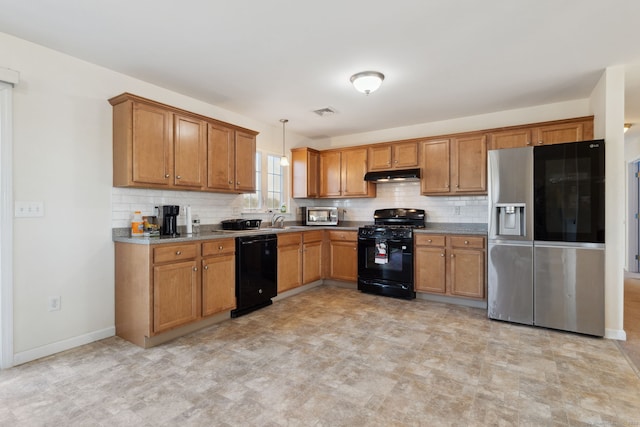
[206, 267]
[238, 183]
[166, 175]
[529, 143]
[540, 143]
[442, 254]
[458, 185]
[178, 252]
[230, 182]
[220, 247]
[178, 177]
[395, 161]
[195, 268]
[430, 240]
[453, 256]
[466, 242]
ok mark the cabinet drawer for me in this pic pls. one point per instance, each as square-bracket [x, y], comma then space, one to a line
[347, 236]
[429, 239]
[218, 247]
[287, 239]
[312, 236]
[467, 242]
[174, 253]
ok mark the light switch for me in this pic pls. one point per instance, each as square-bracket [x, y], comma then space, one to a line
[28, 209]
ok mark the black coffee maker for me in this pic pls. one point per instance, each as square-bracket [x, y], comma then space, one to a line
[169, 215]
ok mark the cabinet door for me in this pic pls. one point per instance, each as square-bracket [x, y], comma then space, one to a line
[289, 267]
[218, 284]
[304, 173]
[330, 176]
[405, 155]
[467, 273]
[220, 158]
[469, 164]
[559, 133]
[380, 157]
[152, 145]
[343, 260]
[313, 185]
[190, 152]
[435, 167]
[311, 262]
[430, 269]
[175, 295]
[354, 167]
[245, 162]
[510, 139]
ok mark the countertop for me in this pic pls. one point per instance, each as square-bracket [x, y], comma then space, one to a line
[210, 232]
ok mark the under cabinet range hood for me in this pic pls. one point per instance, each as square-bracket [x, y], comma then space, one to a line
[393, 175]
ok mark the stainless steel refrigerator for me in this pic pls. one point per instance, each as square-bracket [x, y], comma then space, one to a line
[546, 236]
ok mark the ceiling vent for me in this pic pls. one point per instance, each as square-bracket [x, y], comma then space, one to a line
[326, 111]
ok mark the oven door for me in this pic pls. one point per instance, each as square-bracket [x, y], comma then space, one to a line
[395, 263]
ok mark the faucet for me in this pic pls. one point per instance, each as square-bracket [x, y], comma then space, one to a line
[275, 219]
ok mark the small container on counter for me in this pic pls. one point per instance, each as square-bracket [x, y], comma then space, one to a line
[137, 224]
[196, 225]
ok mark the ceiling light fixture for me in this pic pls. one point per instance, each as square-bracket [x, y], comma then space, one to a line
[283, 160]
[626, 127]
[367, 81]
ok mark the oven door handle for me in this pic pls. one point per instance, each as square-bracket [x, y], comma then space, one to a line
[373, 239]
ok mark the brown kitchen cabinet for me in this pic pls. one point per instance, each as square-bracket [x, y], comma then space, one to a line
[342, 174]
[289, 261]
[557, 132]
[218, 276]
[304, 172]
[163, 287]
[343, 255]
[231, 160]
[162, 147]
[452, 265]
[401, 155]
[454, 166]
[299, 259]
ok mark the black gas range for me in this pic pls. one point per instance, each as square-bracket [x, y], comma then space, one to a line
[385, 252]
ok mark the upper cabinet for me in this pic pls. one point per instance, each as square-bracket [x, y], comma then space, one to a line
[304, 172]
[342, 174]
[454, 166]
[401, 155]
[557, 132]
[158, 146]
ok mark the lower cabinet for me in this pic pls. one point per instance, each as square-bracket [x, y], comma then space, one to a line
[299, 259]
[343, 255]
[450, 265]
[162, 287]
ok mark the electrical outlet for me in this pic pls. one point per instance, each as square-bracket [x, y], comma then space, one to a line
[457, 209]
[29, 209]
[54, 303]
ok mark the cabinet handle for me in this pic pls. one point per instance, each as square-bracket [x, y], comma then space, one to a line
[195, 268]
[178, 177]
[166, 175]
[178, 252]
[206, 267]
[466, 242]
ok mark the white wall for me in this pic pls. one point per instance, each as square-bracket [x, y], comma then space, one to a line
[62, 157]
[607, 104]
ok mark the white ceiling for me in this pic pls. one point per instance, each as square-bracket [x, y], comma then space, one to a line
[273, 59]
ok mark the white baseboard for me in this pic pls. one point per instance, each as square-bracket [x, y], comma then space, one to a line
[57, 347]
[615, 334]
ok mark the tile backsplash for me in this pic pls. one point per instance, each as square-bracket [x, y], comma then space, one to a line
[215, 207]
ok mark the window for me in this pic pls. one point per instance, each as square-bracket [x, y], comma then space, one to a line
[270, 185]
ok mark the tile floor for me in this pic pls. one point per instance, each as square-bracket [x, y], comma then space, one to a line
[331, 357]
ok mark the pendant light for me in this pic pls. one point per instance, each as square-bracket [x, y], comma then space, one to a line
[284, 161]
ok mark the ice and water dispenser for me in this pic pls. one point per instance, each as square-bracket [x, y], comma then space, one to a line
[510, 219]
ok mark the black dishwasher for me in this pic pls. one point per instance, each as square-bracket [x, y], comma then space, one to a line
[256, 272]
